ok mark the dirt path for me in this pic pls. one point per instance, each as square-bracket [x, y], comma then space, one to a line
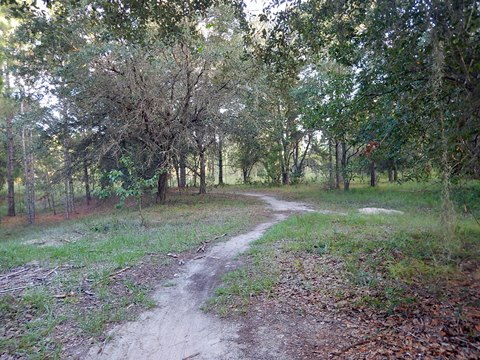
[178, 329]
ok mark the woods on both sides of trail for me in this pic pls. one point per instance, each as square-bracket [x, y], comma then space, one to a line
[131, 99]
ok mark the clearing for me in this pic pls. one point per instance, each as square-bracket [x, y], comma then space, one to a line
[317, 279]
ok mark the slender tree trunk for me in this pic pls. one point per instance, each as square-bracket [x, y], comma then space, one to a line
[183, 170]
[390, 174]
[72, 190]
[337, 165]
[86, 179]
[285, 178]
[52, 197]
[220, 160]
[345, 175]
[373, 174]
[176, 166]
[203, 183]
[31, 173]
[67, 174]
[395, 172]
[28, 176]
[10, 166]
[211, 165]
[331, 180]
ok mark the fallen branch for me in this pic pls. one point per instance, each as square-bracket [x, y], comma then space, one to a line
[202, 247]
[172, 255]
[191, 356]
[15, 288]
[220, 236]
[354, 345]
[205, 243]
[119, 272]
[13, 274]
[467, 342]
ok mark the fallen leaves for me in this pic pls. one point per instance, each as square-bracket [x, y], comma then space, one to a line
[315, 287]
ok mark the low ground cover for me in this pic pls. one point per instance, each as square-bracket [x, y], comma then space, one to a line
[63, 283]
[365, 286]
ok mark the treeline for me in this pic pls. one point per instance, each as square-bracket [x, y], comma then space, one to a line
[132, 93]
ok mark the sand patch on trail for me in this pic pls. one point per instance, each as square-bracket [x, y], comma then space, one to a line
[375, 211]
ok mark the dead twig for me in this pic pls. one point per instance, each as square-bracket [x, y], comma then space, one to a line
[220, 236]
[205, 243]
[202, 247]
[119, 271]
[467, 342]
[50, 272]
[191, 356]
[354, 345]
[13, 274]
[65, 295]
[3, 291]
[102, 346]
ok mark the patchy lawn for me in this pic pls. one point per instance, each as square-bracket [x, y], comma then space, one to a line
[62, 284]
[362, 286]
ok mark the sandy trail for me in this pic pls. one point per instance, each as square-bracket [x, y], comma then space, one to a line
[178, 329]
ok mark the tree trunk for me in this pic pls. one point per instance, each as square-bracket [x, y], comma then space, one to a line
[220, 160]
[183, 170]
[285, 177]
[162, 186]
[28, 176]
[345, 175]
[52, 199]
[331, 181]
[337, 165]
[203, 182]
[245, 175]
[373, 174]
[10, 166]
[67, 174]
[390, 175]
[86, 179]
[395, 172]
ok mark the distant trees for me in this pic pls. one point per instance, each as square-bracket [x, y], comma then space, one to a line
[192, 87]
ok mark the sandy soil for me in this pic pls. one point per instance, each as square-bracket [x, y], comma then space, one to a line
[375, 211]
[178, 329]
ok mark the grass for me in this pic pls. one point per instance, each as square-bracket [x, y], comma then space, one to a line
[383, 253]
[118, 238]
[93, 247]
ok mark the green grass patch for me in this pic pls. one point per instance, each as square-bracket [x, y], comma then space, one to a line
[94, 247]
[384, 254]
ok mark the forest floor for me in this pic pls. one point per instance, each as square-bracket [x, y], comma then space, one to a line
[329, 283]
